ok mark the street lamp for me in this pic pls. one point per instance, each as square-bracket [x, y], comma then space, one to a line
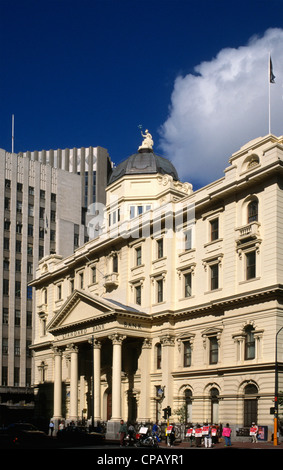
[275, 440]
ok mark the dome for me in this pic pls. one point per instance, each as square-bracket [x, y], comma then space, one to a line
[144, 162]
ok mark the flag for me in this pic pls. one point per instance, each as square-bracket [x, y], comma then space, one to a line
[271, 75]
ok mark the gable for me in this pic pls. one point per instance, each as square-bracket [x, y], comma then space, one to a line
[79, 309]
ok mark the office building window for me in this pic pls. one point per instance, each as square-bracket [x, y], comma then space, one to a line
[138, 294]
[188, 284]
[159, 290]
[138, 256]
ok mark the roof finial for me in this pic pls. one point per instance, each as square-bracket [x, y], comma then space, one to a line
[148, 141]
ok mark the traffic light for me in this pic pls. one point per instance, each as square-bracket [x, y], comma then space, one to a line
[167, 412]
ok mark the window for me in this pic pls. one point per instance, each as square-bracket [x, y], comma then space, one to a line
[138, 294]
[17, 318]
[30, 230]
[252, 211]
[29, 318]
[213, 350]
[30, 210]
[249, 343]
[18, 265]
[214, 276]
[138, 256]
[251, 265]
[214, 229]
[19, 207]
[6, 243]
[158, 356]
[18, 246]
[5, 286]
[7, 203]
[159, 290]
[187, 354]
[59, 292]
[160, 248]
[17, 347]
[115, 263]
[17, 288]
[188, 239]
[5, 346]
[93, 274]
[188, 284]
[81, 280]
[5, 316]
[250, 405]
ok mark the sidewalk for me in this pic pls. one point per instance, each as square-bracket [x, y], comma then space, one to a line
[267, 445]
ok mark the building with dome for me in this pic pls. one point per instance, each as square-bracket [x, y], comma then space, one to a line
[175, 300]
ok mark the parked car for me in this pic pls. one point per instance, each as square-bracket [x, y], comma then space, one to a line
[19, 434]
[80, 435]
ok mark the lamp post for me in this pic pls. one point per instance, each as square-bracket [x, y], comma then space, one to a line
[275, 440]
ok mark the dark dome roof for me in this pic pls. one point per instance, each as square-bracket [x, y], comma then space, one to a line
[143, 162]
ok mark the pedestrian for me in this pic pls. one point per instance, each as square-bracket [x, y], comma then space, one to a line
[122, 432]
[214, 434]
[172, 436]
[51, 428]
[207, 436]
[254, 432]
[191, 434]
[226, 433]
[198, 435]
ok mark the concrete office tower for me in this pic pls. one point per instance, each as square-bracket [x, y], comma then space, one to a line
[43, 200]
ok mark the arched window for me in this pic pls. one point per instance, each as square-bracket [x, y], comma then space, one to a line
[188, 406]
[253, 211]
[250, 405]
[249, 342]
[214, 399]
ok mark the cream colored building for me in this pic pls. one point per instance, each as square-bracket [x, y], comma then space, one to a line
[175, 302]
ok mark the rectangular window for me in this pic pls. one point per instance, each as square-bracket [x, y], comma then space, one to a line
[93, 274]
[17, 347]
[213, 350]
[188, 239]
[214, 277]
[59, 292]
[138, 294]
[132, 212]
[251, 265]
[214, 230]
[188, 284]
[160, 248]
[115, 264]
[160, 290]
[138, 256]
[5, 316]
[187, 354]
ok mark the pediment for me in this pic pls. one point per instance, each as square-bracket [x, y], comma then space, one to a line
[79, 309]
[82, 308]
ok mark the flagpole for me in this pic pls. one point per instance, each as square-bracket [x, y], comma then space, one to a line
[269, 114]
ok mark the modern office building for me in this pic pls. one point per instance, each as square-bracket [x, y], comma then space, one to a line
[177, 302]
[44, 199]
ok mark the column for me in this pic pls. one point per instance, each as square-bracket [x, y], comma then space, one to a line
[116, 376]
[168, 343]
[144, 402]
[96, 380]
[74, 383]
[57, 412]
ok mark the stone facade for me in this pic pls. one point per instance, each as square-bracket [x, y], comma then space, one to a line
[175, 301]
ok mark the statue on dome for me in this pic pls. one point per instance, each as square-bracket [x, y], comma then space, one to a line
[148, 141]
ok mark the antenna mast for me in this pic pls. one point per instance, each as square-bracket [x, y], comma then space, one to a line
[12, 133]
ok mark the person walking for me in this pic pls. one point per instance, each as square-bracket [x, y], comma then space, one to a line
[226, 433]
[122, 432]
[207, 436]
[254, 432]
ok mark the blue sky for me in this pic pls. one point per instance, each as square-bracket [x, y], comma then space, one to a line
[85, 73]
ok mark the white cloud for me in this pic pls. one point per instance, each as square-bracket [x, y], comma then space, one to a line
[223, 106]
